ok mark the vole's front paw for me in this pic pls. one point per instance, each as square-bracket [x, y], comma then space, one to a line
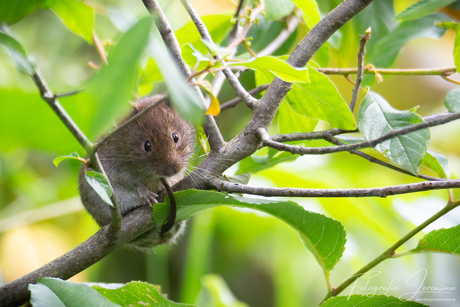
[147, 197]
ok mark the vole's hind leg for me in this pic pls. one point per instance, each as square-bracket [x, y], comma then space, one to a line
[147, 197]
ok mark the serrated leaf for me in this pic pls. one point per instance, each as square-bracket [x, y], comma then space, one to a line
[16, 52]
[112, 88]
[441, 241]
[137, 293]
[101, 185]
[437, 163]
[422, 8]
[377, 118]
[42, 296]
[182, 96]
[309, 10]
[74, 294]
[72, 156]
[278, 67]
[323, 237]
[452, 101]
[76, 15]
[368, 301]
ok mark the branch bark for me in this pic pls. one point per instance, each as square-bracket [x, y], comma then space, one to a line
[330, 193]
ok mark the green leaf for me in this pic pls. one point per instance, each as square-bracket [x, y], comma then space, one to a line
[112, 87]
[137, 293]
[240, 179]
[437, 163]
[452, 101]
[368, 301]
[42, 296]
[277, 9]
[376, 118]
[422, 8]
[13, 11]
[309, 10]
[76, 15]
[16, 52]
[217, 25]
[384, 52]
[182, 95]
[441, 241]
[278, 67]
[101, 185]
[72, 156]
[73, 294]
[324, 100]
[215, 292]
[323, 237]
[289, 121]
[320, 99]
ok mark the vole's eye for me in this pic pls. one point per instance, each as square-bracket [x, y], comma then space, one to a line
[147, 146]
[175, 137]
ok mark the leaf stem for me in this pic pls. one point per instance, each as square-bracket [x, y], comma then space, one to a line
[390, 252]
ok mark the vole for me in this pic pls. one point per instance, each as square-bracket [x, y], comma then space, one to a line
[157, 146]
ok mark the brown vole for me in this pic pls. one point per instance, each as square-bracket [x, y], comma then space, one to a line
[157, 146]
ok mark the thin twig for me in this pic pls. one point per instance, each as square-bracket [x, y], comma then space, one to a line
[316, 135]
[390, 71]
[332, 193]
[234, 82]
[371, 159]
[67, 94]
[242, 36]
[390, 251]
[266, 141]
[235, 101]
[234, 33]
[215, 139]
[359, 77]
[52, 101]
[450, 80]
[281, 38]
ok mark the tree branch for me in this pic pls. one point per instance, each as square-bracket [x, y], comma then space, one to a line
[390, 71]
[359, 77]
[232, 79]
[266, 141]
[52, 101]
[316, 135]
[390, 251]
[81, 257]
[232, 103]
[371, 159]
[215, 139]
[332, 193]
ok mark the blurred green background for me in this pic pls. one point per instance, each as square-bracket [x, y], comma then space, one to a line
[256, 257]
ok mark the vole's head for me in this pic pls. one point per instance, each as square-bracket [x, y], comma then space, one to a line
[161, 141]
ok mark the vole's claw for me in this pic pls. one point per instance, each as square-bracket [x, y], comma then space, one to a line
[147, 197]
